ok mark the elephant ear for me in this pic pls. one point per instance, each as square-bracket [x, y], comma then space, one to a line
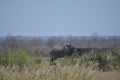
[71, 48]
[68, 45]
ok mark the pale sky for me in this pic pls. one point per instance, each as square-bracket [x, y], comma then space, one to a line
[59, 17]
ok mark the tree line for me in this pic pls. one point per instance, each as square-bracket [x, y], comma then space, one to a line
[42, 46]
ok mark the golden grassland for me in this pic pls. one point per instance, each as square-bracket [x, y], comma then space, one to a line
[44, 71]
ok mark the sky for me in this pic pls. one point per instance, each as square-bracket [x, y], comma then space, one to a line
[59, 17]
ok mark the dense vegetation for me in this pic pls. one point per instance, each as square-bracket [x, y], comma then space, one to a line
[28, 59]
[19, 65]
[16, 57]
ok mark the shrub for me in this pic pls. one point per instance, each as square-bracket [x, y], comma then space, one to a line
[2, 60]
[115, 60]
[16, 57]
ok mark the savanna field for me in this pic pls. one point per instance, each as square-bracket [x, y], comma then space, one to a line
[59, 39]
[22, 59]
[19, 65]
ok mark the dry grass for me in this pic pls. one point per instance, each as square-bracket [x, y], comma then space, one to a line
[44, 71]
[112, 75]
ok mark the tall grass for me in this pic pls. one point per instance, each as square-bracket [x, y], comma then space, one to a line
[101, 61]
[17, 66]
[44, 71]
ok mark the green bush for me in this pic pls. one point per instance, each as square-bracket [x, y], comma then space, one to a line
[106, 61]
[115, 60]
[102, 61]
[2, 60]
[16, 57]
